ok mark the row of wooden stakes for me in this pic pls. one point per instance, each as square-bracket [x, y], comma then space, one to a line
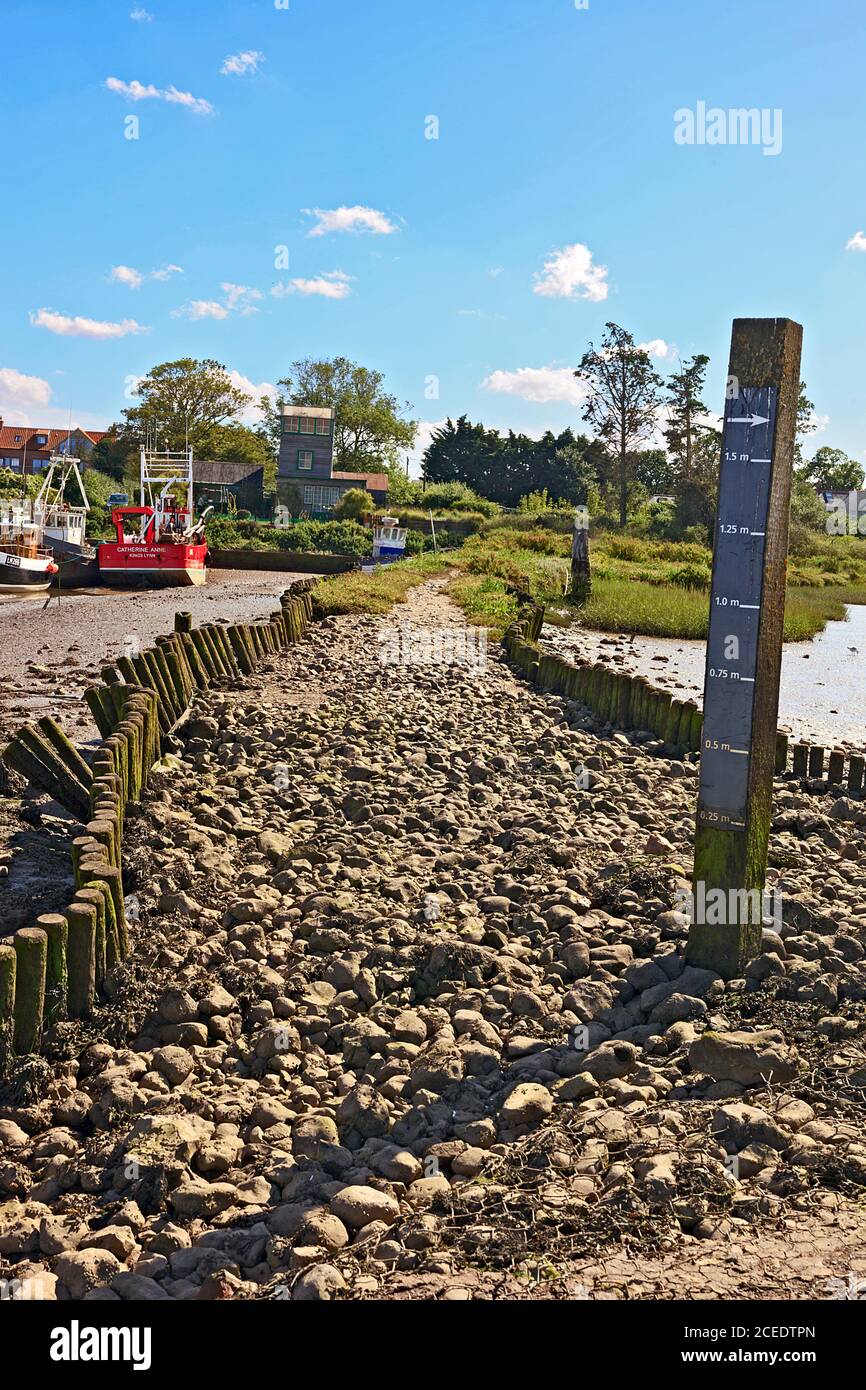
[57, 968]
[629, 702]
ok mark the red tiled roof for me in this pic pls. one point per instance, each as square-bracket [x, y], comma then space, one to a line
[16, 436]
[374, 482]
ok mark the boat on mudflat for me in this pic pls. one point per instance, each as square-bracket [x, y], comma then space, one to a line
[26, 565]
[64, 524]
[158, 542]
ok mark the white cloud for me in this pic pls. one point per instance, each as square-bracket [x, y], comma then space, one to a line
[21, 396]
[77, 326]
[137, 91]
[251, 414]
[126, 275]
[816, 424]
[857, 242]
[495, 270]
[238, 300]
[200, 309]
[334, 284]
[423, 437]
[240, 63]
[541, 384]
[140, 15]
[570, 274]
[355, 219]
[657, 347]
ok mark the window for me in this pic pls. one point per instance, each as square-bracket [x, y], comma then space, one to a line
[40, 465]
[323, 427]
[290, 424]
[13, 463]
[308, 424]
[41, 441]
[305, 458]
[320, 499]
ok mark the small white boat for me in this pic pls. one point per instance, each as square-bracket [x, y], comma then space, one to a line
[389, 540]
[26, 566]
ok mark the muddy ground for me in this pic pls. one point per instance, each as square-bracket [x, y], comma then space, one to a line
[50, 651]
[409, 1017]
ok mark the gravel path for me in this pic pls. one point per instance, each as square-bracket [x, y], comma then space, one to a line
[408, 1015]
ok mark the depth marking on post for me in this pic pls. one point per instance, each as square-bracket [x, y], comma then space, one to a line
[744, 642]
[735, 606]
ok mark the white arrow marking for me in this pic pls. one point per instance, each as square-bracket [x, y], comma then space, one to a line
[749, 420]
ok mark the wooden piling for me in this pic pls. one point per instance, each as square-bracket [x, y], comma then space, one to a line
[735, 800]
[31, 951]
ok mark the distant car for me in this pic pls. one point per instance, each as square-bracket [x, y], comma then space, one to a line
[663, 497]
[119, 499]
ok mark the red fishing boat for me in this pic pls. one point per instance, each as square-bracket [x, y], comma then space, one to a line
[159, 541]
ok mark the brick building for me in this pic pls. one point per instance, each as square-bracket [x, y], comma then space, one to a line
[28, 449]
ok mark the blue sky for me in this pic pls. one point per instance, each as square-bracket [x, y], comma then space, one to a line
[554, 198]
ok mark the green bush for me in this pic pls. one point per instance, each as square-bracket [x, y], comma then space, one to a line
[456, 497]
[416, 542]
[327, 537]
[354, 505]
[691, 577]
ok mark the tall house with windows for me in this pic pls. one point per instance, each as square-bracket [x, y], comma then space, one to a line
[306, 479]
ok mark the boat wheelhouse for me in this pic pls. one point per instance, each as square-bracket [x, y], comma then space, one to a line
[159, 541]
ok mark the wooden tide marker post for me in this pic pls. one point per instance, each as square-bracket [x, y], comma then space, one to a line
[581, 580]
[744, 645]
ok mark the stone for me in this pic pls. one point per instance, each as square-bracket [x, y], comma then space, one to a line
[357, 1205]
[527, 1104]
[752, 1059]
[320, 1282]
[84, 1270]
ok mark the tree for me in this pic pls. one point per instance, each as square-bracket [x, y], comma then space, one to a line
[113, 456]
[685, 408]
[180, 402]
[504, 469]
[460, 452]
[831, 470]
[623, 398]
[354, 505]
[806, 506]
[403, 491]
[369, 425]
[805, 423]
[655, 470]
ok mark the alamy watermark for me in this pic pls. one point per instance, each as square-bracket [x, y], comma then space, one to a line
[740, 125]
[403, 645]
[719, 907]
[846, 513]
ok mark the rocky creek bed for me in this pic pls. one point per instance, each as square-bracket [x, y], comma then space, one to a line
[408, 1016]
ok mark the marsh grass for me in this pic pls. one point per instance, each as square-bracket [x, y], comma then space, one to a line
[377, 592]
[652, 588]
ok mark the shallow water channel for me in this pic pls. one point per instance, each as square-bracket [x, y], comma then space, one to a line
[823, 691]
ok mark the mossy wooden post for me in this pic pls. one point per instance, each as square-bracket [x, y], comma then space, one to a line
[738, 744]
[581, 579]
[8, 962]
[31, 950]
[81, 958]
[54, 925]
